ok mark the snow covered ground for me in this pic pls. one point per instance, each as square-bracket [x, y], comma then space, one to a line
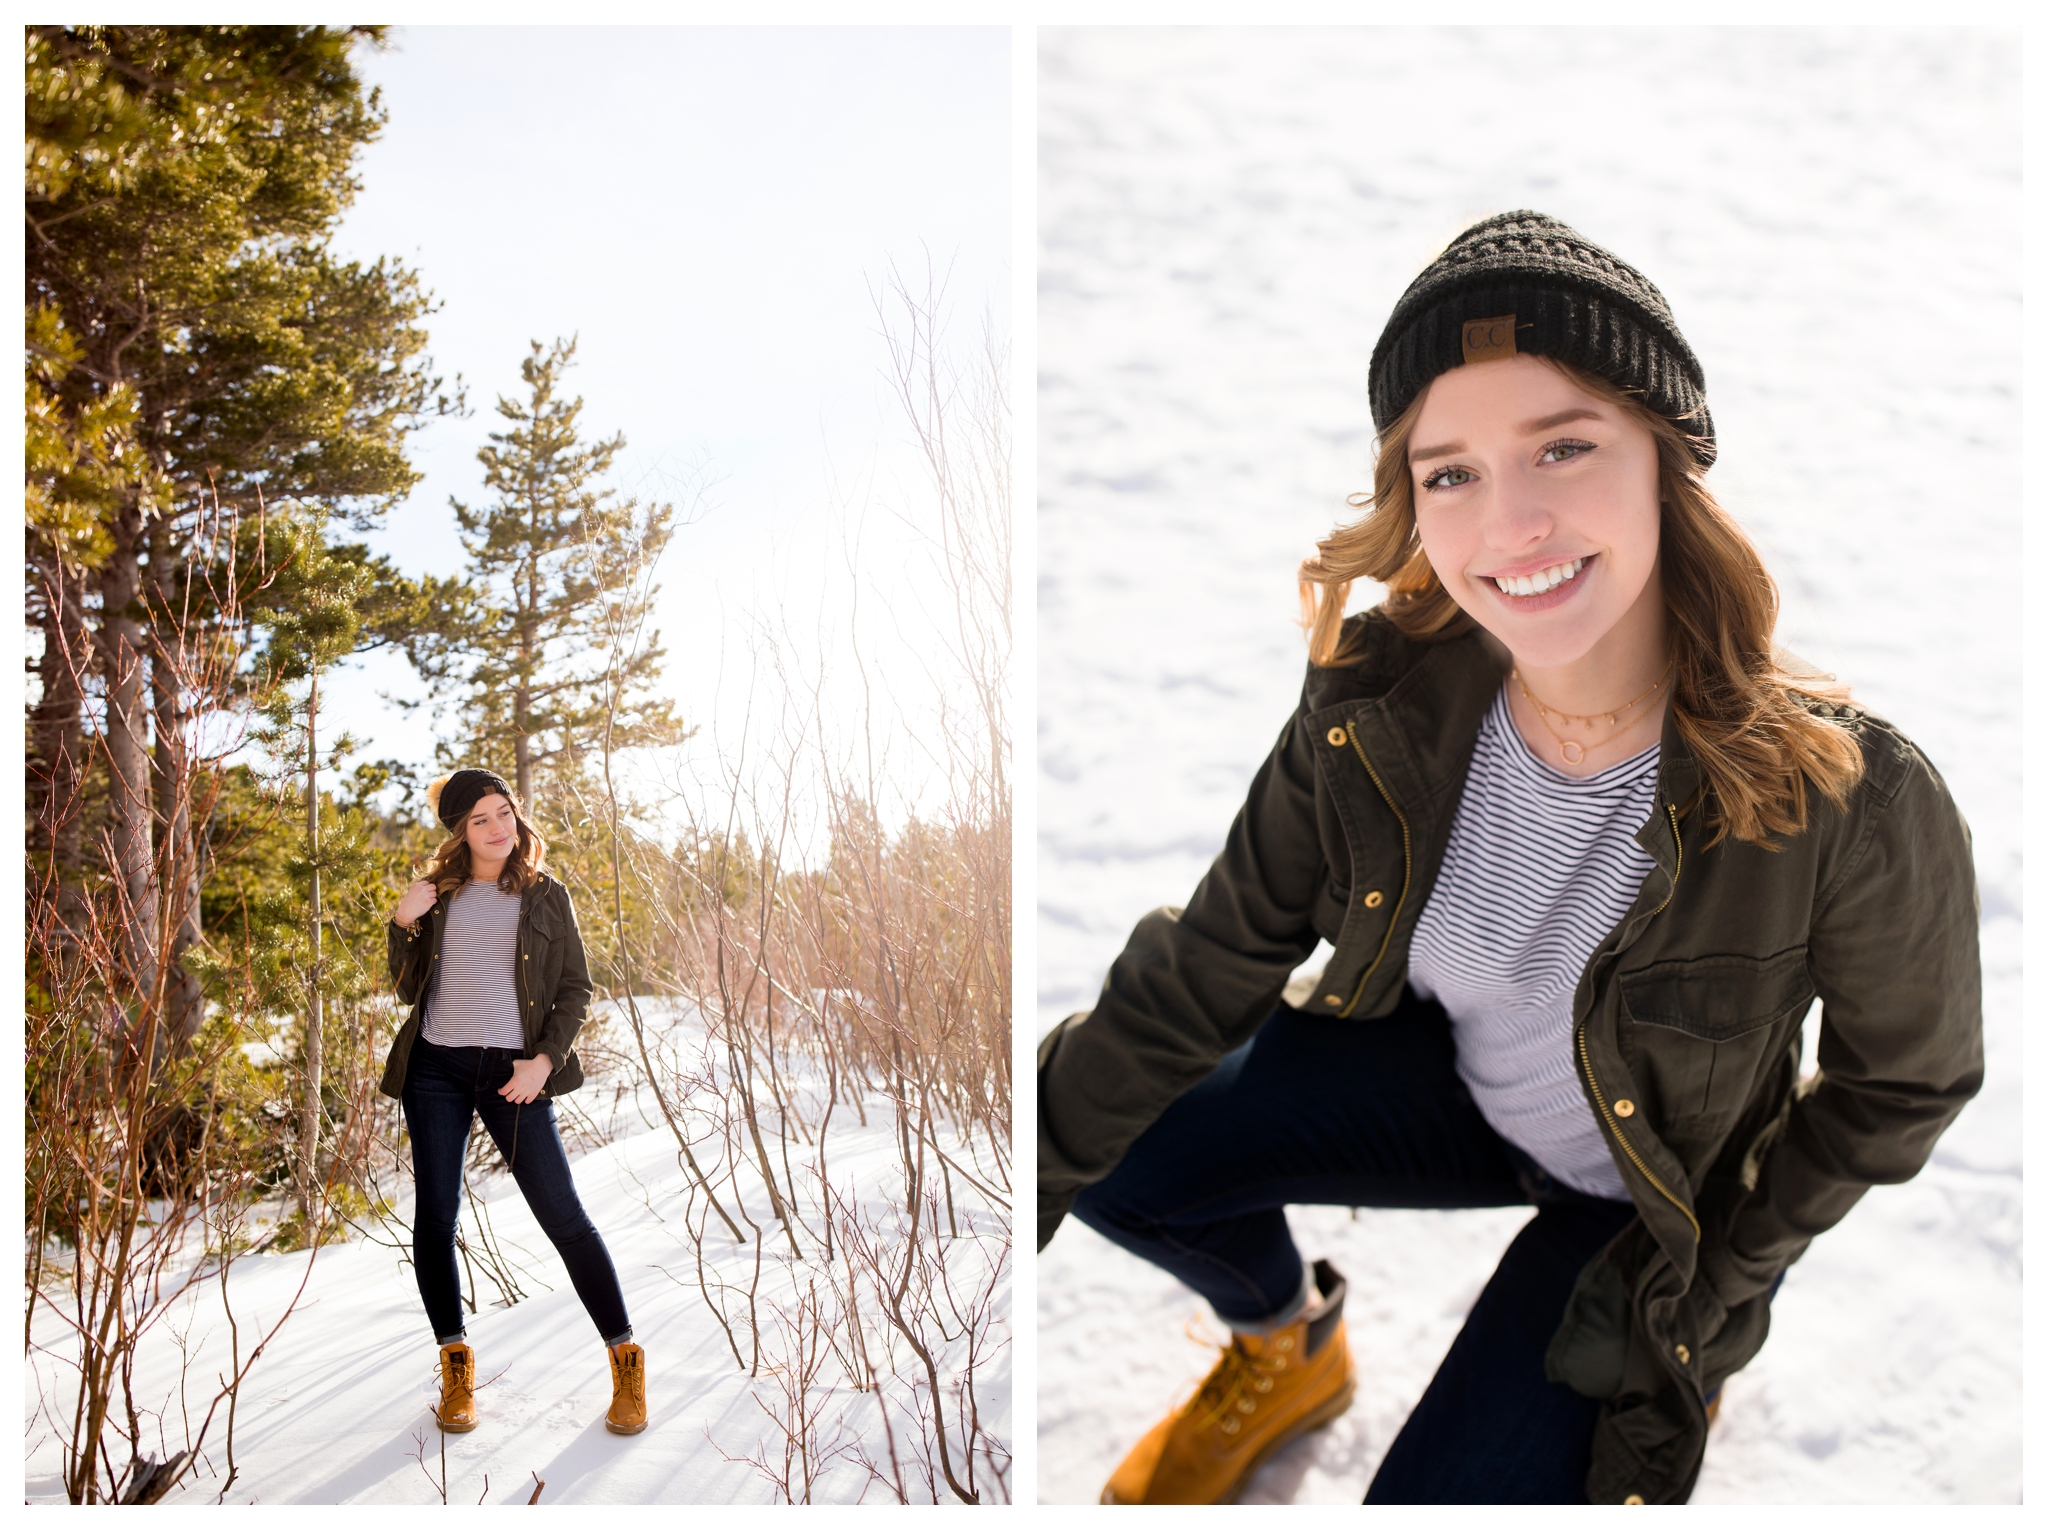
[337, 1410]
[1226, 219]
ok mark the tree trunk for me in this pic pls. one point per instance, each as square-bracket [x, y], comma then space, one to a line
[177, 856]
[123, 660]
[309, 1115]
[522, 752]
[522, 687]
[56, 777]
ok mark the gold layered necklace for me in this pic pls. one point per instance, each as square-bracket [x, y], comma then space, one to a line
[1570, 750]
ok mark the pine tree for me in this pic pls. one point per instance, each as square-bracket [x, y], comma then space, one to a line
[194, 346]
[323, 596]
[556, 559]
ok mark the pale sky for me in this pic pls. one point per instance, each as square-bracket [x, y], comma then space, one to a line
[705, 208]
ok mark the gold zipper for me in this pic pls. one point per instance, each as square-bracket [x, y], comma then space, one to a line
[1601, 1100]
[1593, 1083]
[1675, 870]
[1407, 873]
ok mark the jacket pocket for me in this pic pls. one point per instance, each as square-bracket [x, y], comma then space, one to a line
[541, 956]
[1590, 1348]
[1644, 1450]
[544, 923]
[1740, 1333]
[1704, 1026]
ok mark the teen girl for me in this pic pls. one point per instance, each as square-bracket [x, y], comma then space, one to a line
[486, 951]
[1587, 846]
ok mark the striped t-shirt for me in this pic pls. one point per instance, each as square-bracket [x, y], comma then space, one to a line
[1540, 868]
[472, 1000]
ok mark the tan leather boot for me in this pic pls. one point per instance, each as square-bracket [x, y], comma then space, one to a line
[1266, 1390]
[628, 1412]
[457, 1413]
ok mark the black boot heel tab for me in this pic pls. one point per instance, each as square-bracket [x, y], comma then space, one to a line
[1331, 1285]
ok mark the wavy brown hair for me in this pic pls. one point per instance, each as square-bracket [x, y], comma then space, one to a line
[450, 868]
[1736, 703]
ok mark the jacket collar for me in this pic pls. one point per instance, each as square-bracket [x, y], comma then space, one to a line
[527, 900]
[1424, 726]
[1421, 729]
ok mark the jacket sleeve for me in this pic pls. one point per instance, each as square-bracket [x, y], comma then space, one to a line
[572, 991]
[406, 956]
[1189, 986]
[1894, 956]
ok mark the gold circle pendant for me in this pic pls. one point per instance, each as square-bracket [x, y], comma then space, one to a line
[1572, 753]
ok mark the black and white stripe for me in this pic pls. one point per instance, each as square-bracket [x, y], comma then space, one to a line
[472, 999]
[1540, 868]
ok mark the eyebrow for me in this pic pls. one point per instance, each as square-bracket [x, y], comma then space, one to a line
[1548, 422]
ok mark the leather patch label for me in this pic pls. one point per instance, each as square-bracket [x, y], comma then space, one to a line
[1489, 339]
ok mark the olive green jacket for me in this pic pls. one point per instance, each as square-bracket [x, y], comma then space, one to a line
[552, 979]
[1687, 1017]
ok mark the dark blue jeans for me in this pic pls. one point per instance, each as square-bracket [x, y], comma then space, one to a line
[446, 1088]
[1322, 1112]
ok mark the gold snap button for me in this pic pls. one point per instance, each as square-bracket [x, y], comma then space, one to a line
[1331, 1000]
[1633, 1498]
[1684, 1355]
[1336, 736]
[1624, 1107]
[1375, 898]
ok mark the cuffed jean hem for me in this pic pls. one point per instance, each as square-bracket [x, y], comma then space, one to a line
[620, 1338]
[460, 1336]
[1286, 1315]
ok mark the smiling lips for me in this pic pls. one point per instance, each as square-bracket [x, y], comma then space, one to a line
[1541, 581]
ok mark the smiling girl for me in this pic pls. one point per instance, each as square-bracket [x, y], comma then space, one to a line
[486, 950]
[1587, 847]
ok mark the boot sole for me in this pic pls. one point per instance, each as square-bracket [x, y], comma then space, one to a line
[448, 1428]
[1309, 1424]
[624, 1428]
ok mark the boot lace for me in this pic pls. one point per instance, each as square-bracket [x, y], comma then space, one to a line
[630, 1379]
[1239, 1376]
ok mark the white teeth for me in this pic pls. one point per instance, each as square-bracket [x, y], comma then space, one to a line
[1548, 579]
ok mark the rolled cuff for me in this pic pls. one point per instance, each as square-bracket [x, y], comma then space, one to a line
[1276, 1321]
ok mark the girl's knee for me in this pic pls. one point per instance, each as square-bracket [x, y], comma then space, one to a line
[1101, 1208]
[569, 1232]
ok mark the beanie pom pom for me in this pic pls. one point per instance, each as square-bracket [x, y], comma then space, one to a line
[434, 792]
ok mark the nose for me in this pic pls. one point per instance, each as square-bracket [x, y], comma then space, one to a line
[1515, 516]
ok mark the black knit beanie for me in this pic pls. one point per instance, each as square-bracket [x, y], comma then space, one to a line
[1522, 282]
[452, 797]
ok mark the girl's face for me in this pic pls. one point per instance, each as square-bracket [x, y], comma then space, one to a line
[492, 830]
[1536, 503]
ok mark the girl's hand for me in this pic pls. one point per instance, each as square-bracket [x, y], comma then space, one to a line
[529, 1074]
[418, 899]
